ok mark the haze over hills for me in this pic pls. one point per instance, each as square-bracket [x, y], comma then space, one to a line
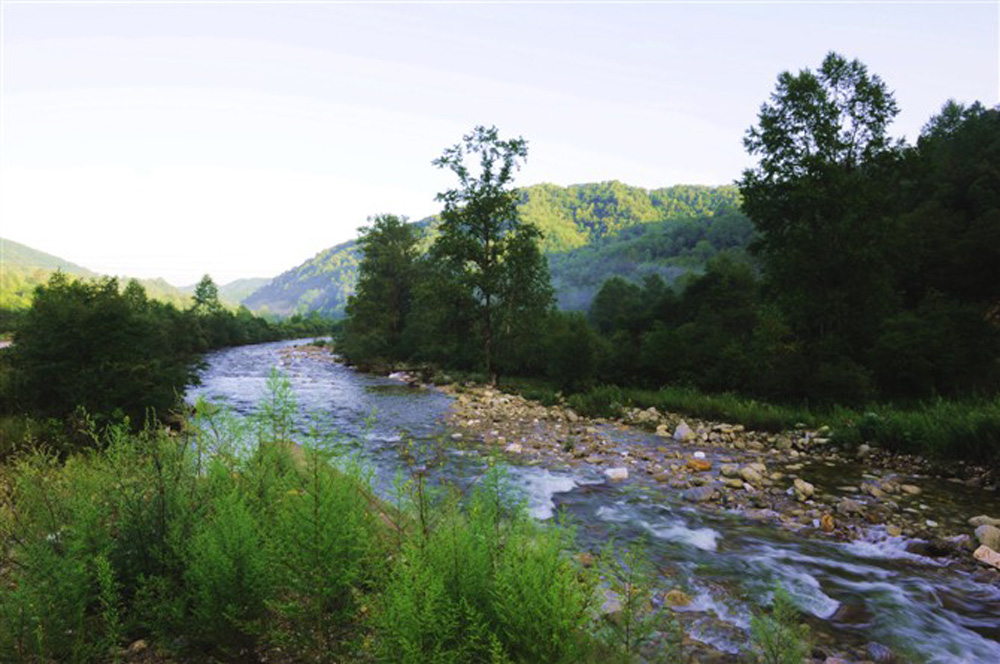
[22, 268]
[591, 232]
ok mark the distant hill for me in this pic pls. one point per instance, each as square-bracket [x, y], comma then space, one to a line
[23, 268]
[572, 218]
[235, 291]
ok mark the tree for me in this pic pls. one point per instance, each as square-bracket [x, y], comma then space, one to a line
[488, 250]
[817, 198]
[206, 296]
[378, 311]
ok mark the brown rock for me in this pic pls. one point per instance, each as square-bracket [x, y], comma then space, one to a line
[699, 465]
[826, 523]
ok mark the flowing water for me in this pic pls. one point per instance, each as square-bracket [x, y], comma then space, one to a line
[852, 593]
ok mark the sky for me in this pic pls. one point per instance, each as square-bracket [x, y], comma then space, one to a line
[173, 139]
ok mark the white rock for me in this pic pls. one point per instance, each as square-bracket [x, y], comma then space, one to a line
[699, 455]
[514, 448]
[616, 474]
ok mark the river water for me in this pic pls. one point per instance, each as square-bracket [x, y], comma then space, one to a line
[852, 593]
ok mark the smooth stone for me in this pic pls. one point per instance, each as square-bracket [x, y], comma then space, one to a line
[701, 494]
[985, 554]
[983, 520]
[989, 536]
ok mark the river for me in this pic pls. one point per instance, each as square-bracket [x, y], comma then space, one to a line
[852, 593]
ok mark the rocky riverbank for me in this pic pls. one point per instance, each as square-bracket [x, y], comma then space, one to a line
[798, 479]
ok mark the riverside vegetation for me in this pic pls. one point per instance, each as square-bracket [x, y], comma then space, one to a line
[230, 542]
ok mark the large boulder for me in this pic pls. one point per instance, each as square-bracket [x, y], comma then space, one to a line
[989, 536]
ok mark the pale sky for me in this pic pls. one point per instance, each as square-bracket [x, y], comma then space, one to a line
[178, 138]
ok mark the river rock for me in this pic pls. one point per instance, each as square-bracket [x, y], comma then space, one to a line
[803, 490]
[729, 470]
[983, 520]
[985, 554]
[826, 523]
[893, 530]
[733, 482]
[699, 465]
[864, 449]
[677, 598]
[989, 536]
[751, 476]
[910, 489]
[700, 494]
[617, 474]
[683, 432]
[514, 448]
[849, 507]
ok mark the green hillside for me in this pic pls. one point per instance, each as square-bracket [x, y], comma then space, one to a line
[576, 217]
[23, 268]
[668, 248]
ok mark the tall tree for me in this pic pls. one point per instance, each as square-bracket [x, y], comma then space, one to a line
[492, 254]
[378, 311]
[206, 296]
[816, 197]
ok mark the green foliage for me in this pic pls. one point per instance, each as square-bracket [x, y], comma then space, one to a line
[940, 430]
[88, 345]
[779, 638]
[817, 199]
[232, 540]
[629, 575]
[486, 249]
[485, 583]
[377, 313]
[601, 401]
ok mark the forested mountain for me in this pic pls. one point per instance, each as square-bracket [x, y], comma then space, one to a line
[571, 218]
[668, 248]
[23, 268]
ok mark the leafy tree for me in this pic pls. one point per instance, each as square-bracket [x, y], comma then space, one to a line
[816, 196]
[488, 250]
[386, 275]
[206, 296]
[86, 344]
